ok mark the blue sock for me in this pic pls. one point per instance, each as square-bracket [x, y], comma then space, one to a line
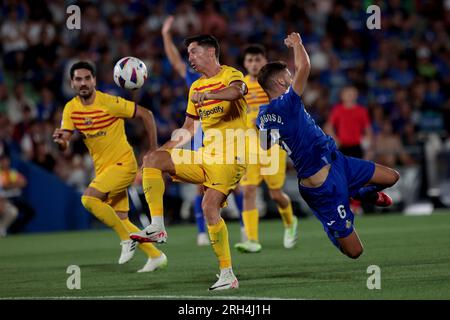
[239, 199]
[367, 193]
[198, 212]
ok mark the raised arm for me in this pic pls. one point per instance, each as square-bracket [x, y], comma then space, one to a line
[171, 50]
[149, 125]
[302, 63]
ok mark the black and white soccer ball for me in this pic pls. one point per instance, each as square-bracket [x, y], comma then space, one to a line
[130, 73]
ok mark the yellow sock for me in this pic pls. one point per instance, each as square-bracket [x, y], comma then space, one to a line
[218, 233]
[251, 219]
[106, 214]
[153, 184]
[287, 215]
[148, 248]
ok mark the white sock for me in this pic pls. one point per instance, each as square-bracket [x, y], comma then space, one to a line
[159, 220]
[225, 271]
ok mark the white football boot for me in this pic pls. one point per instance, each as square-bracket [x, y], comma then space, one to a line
[227, 280]
[155, 263]
[291, 234]
[128, 250]
[152, 233]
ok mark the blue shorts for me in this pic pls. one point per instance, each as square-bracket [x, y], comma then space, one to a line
[331, 201]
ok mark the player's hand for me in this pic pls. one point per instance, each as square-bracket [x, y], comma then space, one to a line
[58, 137]
[167, 25]
[198, 98]
[293, 40]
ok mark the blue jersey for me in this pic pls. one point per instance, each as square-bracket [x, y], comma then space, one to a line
[306, 144]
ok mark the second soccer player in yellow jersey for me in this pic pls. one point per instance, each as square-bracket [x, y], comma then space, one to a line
[217, 100]
[254, 60]
[99, 118]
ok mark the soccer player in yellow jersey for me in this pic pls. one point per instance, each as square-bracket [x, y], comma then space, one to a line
[217, 100]
[254, 60]
[99, 118]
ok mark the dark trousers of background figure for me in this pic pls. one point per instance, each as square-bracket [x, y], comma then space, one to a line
[26, 213]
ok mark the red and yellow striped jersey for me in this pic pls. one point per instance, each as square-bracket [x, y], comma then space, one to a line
[218, 115]
[102, 127]
[254, 97]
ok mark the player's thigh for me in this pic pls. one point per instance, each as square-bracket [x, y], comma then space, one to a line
[223, 177]
[114, 179]
[252, 176]
[187, 166]
[330, 202]
[276, 180]
[358, 172]
[119, 201]
[160, 159]
[383, 175]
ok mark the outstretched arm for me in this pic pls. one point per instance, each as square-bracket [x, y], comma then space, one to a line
[171, 50]
[149, 125]
[302, 63]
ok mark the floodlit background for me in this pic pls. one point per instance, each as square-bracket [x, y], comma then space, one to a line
[401, 73]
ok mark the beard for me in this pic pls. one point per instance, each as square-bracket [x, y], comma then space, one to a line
[88, 93]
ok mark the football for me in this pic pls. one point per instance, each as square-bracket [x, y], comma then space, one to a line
[130, 73]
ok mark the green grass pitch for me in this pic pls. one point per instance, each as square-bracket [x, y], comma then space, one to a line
[413, 254]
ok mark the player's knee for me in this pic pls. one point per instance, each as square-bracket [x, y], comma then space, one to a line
[354, 253]
[150, 159]
[395, 176]
[88, 202]
[250, 192]
[276, 195]
[279, 197]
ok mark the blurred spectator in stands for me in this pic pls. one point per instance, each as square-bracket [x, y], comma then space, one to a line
[389, 149]
[3, 96]
[78, 175]
[187, 21]
[24, 126]
[17, 102]
[213, 22]
[42, 157]
[8, 214]
[12, 183]
[46, 106]
[349, 124]
[14, 40]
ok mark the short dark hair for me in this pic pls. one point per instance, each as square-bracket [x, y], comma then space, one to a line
[267, 72]
[82, 65]
[255, 49]
[204, 40]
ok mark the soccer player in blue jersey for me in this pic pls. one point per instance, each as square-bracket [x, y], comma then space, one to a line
[327, 178]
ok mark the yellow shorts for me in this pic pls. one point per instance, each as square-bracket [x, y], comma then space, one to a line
[114, 181]
[221, 177]
[255, 172]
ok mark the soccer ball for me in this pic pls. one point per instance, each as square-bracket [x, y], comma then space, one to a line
[130, 73]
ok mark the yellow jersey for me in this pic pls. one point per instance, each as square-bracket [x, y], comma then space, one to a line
[101, 125]
[255, 97]
[217, 117]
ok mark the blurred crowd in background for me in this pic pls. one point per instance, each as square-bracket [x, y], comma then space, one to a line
[401, 72]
